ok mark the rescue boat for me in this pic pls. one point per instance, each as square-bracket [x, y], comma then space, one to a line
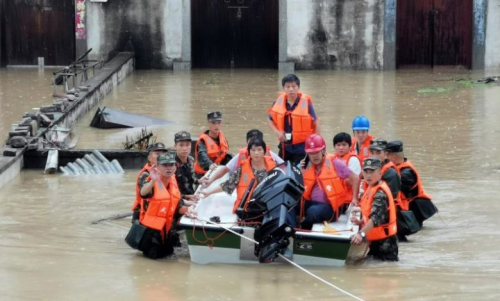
[217, 235]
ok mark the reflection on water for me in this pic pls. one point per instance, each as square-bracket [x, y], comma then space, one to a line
[51, 251]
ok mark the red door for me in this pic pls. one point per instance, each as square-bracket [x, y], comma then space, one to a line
[434, 32]
[40, 28]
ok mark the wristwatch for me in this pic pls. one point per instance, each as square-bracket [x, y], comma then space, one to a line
[363, 234]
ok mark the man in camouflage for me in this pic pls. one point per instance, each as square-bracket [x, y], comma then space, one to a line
[379, 214]
[185, 165]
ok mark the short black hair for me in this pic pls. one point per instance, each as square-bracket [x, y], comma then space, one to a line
[342, 137]
[256, 142]
[254, 134]
[290, 78]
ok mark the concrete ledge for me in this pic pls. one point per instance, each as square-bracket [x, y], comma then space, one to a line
[113, 73]
[182, 66]
[129, 159]
[10, 167]
[288, 67]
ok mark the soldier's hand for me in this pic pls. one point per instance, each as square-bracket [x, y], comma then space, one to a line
[191, 212]
[355, 221]
[154, 173]
[357, 239]
[204, 182]
[195, 198]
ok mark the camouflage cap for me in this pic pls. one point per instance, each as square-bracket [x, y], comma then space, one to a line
[182, 136]
[166, 158]
[156, 147]
[394, 146]
[378, 144]
[214, 116]
[372, 163]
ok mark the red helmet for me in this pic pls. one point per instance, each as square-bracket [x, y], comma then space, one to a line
[315, 143]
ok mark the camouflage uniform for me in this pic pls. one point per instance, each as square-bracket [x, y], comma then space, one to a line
[385, 249]
[185, 176]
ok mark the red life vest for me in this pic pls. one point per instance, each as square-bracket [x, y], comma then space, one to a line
[162, 207]
[138, 197]
[404, 201]
[345, 159]
[246, 177]
[215, 152]
[301, 121]
[385, 230]
[364, 149]
[243, 154]
[328, 181]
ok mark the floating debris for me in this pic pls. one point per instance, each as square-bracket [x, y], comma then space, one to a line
[107, 118]
[141, 142]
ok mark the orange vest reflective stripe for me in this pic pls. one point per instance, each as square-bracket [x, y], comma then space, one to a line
[243, 153]
[345, 159]
[385, 230]
[301, 121]
[215, 152]
[162, 207]
[246, 177]
[138, 197]
[405, 202]
[328, 181]
[364, 149]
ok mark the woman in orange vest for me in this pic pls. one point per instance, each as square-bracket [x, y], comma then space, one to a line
[361, 141]
[378, 225]
[342, 145]
[324, 178]
[241, 156]
[255, 167]
[292, 119]
[154, 151]
[161, 206]
[413, 196]
[211, 148]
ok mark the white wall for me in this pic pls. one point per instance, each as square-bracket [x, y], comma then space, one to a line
[492, 51]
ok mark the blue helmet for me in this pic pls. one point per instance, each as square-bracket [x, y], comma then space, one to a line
[360, 123]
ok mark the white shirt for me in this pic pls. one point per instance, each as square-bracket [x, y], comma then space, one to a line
[354, 165]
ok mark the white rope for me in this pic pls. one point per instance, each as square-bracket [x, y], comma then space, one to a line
[288, 260]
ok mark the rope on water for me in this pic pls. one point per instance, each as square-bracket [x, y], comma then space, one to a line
[286, 259]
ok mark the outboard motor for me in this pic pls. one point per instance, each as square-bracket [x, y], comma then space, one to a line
[277, 194]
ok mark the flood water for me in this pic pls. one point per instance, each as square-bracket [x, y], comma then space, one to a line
[50, 250]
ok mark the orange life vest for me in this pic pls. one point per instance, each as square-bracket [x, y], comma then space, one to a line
[383, 170]
[215, 152]
[243, 153]
[404, 201]
[162, 207]
[328, 180]
[138, 197]
[364, 149]
[345, 159]
[301, 121]
[246, 177]
[385, 230]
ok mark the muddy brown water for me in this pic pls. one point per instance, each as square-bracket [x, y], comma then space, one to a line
[51, 251]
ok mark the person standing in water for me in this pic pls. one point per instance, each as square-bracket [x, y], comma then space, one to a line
[292, 118]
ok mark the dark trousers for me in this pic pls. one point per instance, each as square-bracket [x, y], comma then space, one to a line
[287, 156]
[315, 212]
